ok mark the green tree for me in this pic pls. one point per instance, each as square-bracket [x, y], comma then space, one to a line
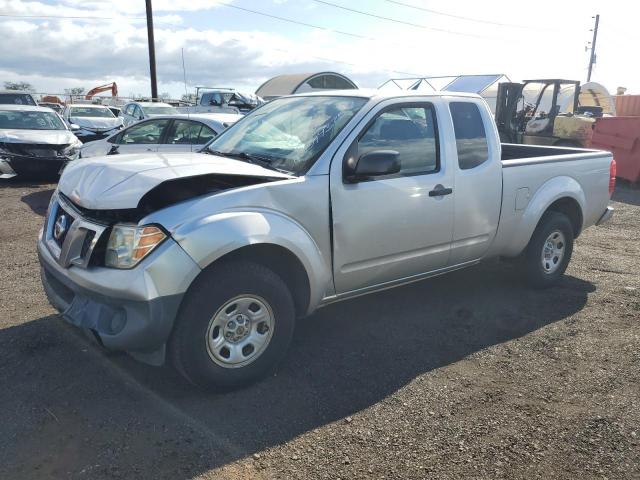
[74, 91]
[23, 86]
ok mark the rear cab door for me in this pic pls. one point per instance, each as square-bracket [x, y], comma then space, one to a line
[394, 227]
[478, 179]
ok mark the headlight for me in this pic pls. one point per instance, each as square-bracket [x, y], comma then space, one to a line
[72, 151]
[128, 244]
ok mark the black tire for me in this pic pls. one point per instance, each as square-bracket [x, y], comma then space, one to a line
[535, 271]
[210, 292]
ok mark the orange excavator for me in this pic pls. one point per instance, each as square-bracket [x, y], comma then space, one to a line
[103, 88]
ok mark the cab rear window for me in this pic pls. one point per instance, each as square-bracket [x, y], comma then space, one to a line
[471, 138]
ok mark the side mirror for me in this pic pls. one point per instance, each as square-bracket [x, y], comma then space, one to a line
[140, 117]
[371, 164]
[74, 127]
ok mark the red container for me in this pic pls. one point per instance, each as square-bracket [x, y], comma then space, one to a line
[620, 136]
[628, 105]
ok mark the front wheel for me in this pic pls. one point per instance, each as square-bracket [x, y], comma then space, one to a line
[234, 326]
[549, 251]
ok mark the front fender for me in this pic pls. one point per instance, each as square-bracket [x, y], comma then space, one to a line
[554, 189]
[210, 238]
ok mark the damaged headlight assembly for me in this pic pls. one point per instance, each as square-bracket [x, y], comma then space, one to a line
[129, 244]
[72, 151]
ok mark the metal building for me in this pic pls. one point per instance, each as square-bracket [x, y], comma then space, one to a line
[303, 82]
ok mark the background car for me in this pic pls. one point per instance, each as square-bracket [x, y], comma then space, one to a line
[176, 133]
[133, 112]
[16, 97]
[95, 121]
[34, 141]
[56, 107]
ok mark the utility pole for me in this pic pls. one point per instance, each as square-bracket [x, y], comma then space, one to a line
[592, 57]
[152, 52]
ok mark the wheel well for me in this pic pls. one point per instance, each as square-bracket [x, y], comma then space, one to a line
[281, 261]
[571, 208]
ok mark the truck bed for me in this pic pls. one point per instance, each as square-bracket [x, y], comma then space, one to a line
[530, 172]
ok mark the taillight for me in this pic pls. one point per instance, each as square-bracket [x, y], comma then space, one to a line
[612, 176]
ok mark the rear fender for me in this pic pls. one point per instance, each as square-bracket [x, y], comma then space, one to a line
[210, 238]
[555, 189]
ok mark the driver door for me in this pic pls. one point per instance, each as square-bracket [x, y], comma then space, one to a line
[393, 227]
[141, 137]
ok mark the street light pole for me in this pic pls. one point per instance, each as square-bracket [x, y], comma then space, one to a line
[152, 52]
[592, 58]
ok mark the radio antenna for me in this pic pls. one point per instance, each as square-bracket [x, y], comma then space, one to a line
[184, 77]
[186, 94]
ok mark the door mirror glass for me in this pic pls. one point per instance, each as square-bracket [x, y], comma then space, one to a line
[375, 163]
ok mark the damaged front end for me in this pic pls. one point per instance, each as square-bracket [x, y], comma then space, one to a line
[96, 226]
[35, 160]
[93, 273]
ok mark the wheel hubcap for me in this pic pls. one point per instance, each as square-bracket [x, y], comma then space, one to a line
[553, 251]
[240, 331]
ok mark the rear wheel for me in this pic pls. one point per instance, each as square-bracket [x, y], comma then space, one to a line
[234, 326]
[549, 251]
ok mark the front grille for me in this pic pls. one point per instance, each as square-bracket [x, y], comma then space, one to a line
[92, 137]
[70, 236]
[35, 150]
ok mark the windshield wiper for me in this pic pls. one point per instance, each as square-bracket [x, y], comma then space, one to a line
[263, 161]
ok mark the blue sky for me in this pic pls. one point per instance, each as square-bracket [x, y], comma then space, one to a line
[229, 47]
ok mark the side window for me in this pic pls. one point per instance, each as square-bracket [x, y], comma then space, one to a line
[183, 132]
[144, 133]
[471, 139]
[129, 110]
[411, 131]
[137, 111]
[205, 135]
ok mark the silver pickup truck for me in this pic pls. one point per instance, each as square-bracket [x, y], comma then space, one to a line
[208, 258]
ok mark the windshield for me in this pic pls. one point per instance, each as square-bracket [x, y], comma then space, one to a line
[30, 120]
[90, 112]
[160, 110]
[290, 133]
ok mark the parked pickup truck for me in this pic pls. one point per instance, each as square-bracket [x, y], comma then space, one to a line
[209, 258]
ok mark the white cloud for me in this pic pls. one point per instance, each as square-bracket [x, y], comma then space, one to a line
[54, 54]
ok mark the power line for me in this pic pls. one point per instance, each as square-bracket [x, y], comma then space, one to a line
[402, 22]
[460, 17]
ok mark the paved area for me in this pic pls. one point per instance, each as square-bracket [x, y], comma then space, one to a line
[471, 375]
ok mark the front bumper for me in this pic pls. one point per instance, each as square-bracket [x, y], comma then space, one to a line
[606, 216]
[31, 166]
[131, 310]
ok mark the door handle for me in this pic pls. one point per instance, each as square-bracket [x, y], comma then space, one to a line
[440, 191]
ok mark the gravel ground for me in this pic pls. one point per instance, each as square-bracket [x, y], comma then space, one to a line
[471, 375]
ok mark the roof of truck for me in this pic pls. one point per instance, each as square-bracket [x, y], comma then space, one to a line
[383, 94]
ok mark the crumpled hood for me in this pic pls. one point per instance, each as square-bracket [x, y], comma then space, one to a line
[97, 123]
[120, 181]
[46, 137]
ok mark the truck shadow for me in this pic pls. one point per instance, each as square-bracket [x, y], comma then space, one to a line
[38, 201]
[345, 358]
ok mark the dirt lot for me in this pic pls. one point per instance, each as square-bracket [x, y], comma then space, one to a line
[471, 375]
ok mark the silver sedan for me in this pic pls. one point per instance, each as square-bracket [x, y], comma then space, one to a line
[171, 133]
